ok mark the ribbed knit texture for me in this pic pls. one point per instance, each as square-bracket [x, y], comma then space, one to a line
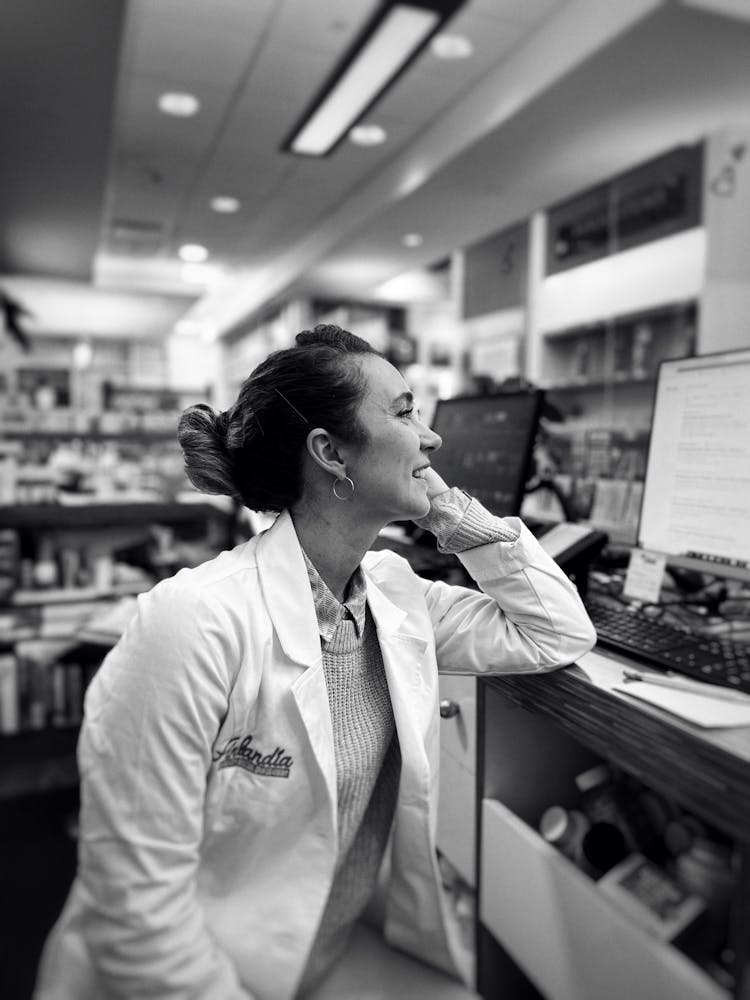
[368, 765]
[460, 522]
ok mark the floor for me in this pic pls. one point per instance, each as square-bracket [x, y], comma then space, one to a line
[37, 864]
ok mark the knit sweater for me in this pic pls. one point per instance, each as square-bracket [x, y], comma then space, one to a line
[368, 764]
[366, 749]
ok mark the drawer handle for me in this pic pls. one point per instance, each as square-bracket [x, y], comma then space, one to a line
[449, 709]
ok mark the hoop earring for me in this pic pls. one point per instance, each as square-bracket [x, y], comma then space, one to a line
[336, 482]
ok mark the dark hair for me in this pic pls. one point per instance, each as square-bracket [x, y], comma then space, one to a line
[253, 451]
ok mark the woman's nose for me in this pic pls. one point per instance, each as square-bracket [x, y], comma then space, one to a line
[430, 441]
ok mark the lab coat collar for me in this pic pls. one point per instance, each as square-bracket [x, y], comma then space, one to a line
[286, 587]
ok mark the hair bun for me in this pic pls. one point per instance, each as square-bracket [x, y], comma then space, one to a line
[221, 424]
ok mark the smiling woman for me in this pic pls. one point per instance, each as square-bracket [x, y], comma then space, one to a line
[267, 725]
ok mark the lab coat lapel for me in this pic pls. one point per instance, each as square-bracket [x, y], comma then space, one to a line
[286, 589]
[415, 909]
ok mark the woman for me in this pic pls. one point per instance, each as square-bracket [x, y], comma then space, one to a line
[268, 724]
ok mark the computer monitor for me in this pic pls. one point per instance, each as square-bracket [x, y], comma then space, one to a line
[488, 444]
[696, 495]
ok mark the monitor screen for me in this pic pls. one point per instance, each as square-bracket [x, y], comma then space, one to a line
[696, 495]
[487, 446]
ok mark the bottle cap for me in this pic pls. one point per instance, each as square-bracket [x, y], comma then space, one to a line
[598, 775]
[554, 824]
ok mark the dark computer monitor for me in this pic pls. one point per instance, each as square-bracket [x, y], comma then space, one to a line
[488, 444]
[696, 495]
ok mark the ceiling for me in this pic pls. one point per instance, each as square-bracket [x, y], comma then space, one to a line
[98, 189]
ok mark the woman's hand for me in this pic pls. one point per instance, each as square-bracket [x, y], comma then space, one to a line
[435, 483]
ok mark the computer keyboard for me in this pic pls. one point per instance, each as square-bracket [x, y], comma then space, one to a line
[714, 659]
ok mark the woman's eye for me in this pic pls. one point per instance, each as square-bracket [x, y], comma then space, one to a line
[406, 413]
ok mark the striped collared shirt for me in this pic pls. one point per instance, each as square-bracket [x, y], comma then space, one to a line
[328, 610]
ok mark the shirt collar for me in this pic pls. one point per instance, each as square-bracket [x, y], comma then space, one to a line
[328, 610]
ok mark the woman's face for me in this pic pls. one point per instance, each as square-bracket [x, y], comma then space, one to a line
[387, 470]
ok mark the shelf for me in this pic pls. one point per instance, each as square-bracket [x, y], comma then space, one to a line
[609, 383]
[74, 595]
[93, 515]
[135, 434]
[707, 770]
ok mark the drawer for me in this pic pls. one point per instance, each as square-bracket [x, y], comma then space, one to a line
[456, 822]
[571, 942]
[458, 732]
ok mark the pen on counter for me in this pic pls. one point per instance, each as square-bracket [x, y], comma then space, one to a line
[680, 683]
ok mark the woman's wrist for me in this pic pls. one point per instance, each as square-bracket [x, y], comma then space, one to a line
[447, 509]
[460, 522]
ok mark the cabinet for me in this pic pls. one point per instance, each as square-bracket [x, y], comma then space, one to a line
[545, 929]
[457, 804]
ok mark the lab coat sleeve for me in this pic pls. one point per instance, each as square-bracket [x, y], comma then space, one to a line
[526, 617]
[152, 714]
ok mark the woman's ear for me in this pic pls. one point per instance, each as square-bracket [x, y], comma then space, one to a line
[324, 452]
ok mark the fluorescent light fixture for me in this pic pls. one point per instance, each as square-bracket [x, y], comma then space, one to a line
[179, 104]
[412, 240]
[391, 39]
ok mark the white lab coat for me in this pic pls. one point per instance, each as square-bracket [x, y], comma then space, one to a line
[208, 833]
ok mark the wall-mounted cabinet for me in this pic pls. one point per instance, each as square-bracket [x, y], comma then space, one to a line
[654, 200]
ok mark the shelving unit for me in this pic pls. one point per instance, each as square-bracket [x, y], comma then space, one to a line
[92, 514]
[621, 351]
[47, 656]
[535, 734]
[55, 434]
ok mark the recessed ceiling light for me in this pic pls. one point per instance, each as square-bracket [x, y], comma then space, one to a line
[181, 105]
[225, 204]
[446, 46]
[412, 240]
[368, 135]
[193, 253]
